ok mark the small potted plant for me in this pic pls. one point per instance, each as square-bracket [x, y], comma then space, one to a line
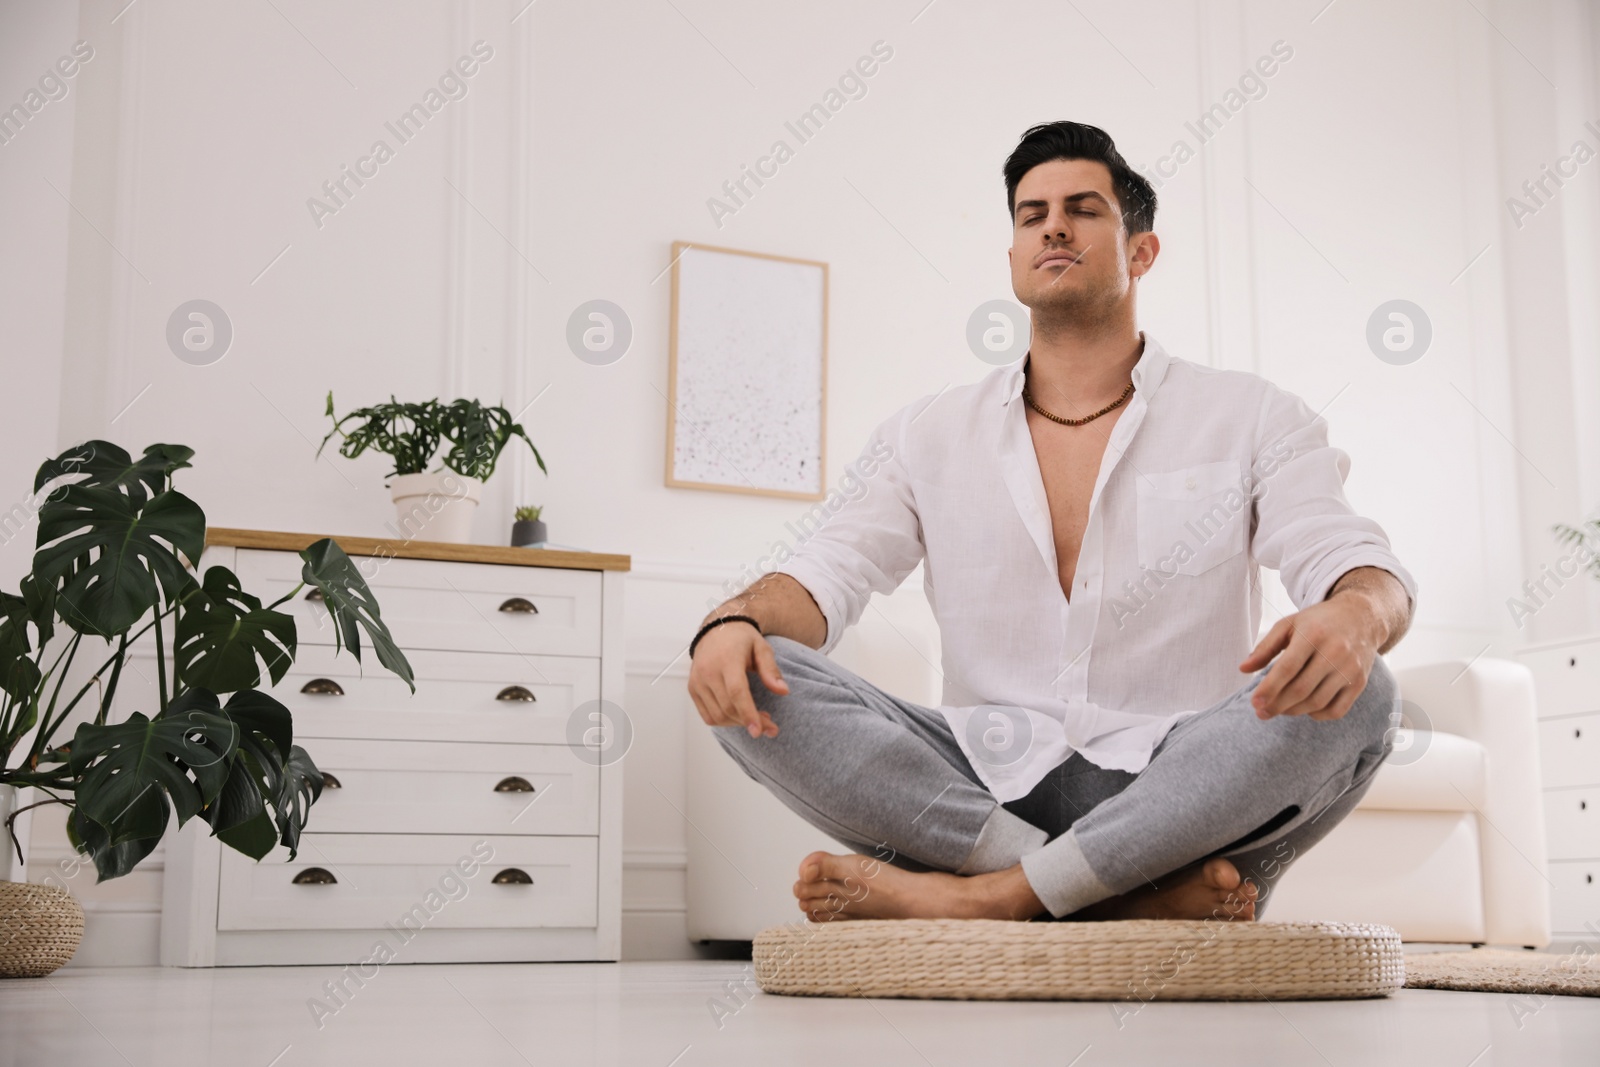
[441, 502]
[528, 529]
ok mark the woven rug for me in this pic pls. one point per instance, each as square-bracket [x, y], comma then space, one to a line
[982, 959]
[1506, 971]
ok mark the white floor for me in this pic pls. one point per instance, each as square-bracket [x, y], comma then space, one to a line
[665, 1015]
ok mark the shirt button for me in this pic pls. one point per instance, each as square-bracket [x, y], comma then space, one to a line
[1189, 483]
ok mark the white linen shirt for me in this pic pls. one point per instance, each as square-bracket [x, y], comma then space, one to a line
[1208, 475]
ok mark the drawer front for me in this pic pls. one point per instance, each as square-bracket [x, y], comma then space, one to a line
[461, 696]
[472, 607]
[417, 787]
[1575, 898]
[1572, 824]
[1566, 679]
[402, 881]
[1569, 751]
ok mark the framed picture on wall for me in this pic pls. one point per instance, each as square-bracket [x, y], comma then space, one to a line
[747, 372]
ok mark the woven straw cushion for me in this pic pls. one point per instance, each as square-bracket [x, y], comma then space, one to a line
[40, 927]
[986, 959]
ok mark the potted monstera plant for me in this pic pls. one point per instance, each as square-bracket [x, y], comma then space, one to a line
[437, 504]
[116, 565]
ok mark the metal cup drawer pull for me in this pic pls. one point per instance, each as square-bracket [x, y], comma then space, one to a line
[519, 606]
[315, 876]
[315, 595]
[512, 876]
[324, 687]
[516, 692]
[513, 784]
[330, 782]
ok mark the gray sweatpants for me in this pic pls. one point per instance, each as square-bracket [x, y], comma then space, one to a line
[878, 773]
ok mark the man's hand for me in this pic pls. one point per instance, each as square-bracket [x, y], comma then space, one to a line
[1326, 654]
[718, 682]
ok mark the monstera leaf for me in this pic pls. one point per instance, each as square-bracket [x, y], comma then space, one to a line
[298, 789]
[224, 636]
[235, 765]
[110, 861]
[19, 675]
[267, 799]
[107, 466]
[478, 435]
[351, 605]
[265, 741]
[129, 769]
[109, 559]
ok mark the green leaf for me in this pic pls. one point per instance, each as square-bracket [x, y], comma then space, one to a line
[19, 671]
[477, 435]
[41, 603]
[254, 838]
[110, 861]
[351, 605]
[266, 741]
[266, 727]
[298, 789]
[410, 433]
[241, 799]
[224, 637]
[19, 674]
[126, 768]
[107, 466]
[109, 560]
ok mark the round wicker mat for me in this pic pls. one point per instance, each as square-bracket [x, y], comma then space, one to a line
[40, 927]
[986, 959]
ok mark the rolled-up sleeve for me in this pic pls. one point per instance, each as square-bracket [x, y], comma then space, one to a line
[1305, 528]
[865, 537]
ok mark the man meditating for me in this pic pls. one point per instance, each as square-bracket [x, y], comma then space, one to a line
[1091, 519]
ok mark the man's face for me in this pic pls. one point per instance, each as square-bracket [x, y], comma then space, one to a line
[1069, 252]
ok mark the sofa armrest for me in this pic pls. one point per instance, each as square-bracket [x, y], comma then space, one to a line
[1492, 702]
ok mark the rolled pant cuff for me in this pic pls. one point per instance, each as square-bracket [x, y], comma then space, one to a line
[1061, 877]
[1003, 841]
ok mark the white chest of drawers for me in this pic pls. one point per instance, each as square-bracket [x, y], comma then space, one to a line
[474, 820]
[1566, 677]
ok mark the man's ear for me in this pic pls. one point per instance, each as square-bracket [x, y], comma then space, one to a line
[1146, 247]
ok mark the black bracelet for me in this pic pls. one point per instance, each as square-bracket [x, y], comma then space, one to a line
[718, 622]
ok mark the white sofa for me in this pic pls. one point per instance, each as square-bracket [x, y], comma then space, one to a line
[1447, 847]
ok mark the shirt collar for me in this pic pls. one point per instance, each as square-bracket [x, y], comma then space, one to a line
[1147, 373]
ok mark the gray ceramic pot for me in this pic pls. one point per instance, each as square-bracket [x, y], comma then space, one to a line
[527, 532]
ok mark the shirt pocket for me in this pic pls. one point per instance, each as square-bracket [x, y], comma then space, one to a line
[1192, 518]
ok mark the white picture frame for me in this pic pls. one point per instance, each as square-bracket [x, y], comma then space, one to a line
[747, 373]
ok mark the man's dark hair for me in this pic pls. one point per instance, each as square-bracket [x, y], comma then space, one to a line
[1077, 140]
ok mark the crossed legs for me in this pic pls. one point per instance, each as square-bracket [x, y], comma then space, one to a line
[1207, 828]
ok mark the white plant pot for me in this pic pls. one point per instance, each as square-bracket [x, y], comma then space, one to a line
[437, 506]
[11, 799]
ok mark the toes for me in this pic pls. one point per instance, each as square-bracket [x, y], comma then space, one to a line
[821, 909]
[811, 867]
[1221, 873]
[827, 867]
[1240, 903]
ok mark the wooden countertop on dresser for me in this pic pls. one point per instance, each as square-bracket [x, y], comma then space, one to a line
[459, 553]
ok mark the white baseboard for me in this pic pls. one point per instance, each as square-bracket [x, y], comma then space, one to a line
[121, 938]
[127, 933]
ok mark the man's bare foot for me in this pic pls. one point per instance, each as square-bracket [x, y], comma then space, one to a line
[1209, 890]
[860, 887]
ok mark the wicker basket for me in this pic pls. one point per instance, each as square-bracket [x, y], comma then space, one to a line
[1136, 960]
[40, 927]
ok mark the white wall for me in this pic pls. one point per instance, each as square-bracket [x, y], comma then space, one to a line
[1374, 167]
[35, 178]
